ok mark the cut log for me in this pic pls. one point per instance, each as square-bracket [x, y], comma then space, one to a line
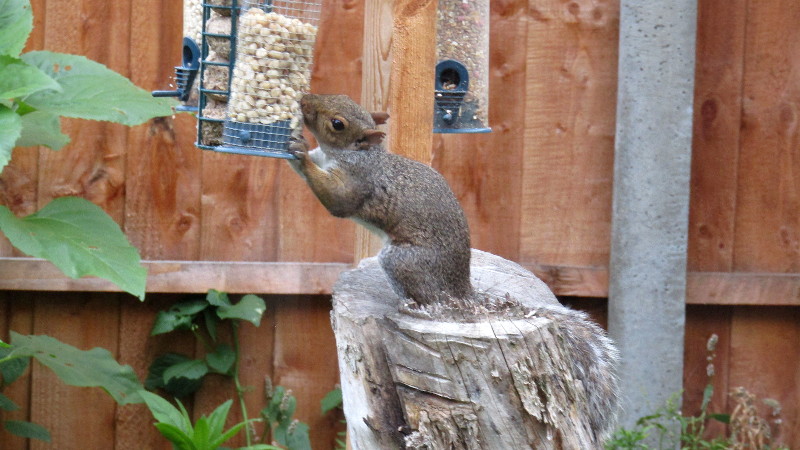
[509, 369]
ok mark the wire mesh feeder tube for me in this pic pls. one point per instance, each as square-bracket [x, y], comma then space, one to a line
[461, 95]
[274, 53]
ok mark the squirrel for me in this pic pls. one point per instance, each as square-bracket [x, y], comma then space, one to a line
[426, 252]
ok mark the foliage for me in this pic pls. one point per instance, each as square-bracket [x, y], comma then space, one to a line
[658, 431]
[180, 375]
[281, 426]
[207, 433]
[36, 89]
[91, 368]
[333, 401]
[80, 239]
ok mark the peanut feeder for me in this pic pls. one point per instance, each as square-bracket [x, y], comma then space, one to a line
[274, 49]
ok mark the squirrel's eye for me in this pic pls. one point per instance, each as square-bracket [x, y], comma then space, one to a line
[338, 125]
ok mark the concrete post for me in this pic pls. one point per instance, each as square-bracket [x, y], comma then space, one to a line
[651, 199]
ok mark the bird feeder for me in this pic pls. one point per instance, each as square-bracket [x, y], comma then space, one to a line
[461, 89]
[272, 48]
[186, 73]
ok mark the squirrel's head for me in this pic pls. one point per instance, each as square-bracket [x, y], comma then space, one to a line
[339, 122]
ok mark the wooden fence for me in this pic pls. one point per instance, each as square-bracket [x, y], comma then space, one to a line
[537, 190]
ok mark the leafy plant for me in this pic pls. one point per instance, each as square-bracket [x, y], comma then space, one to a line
[207, 433]
[37, 89]
[658, 431]
[333, 401]
[90, 368]
[180, 375]
[282, 427]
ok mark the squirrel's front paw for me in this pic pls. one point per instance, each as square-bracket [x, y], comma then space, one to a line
[298, 147]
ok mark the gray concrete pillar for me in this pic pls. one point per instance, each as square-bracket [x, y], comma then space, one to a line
[651, 199]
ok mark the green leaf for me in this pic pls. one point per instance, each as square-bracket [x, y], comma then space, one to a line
[724, 418]
[293, 434]
[18, 78]
[90, 368]
[272, 412]
[194, 370]
[200, 438]
[10, 131]
[217, 298]
[80, 239]
[42, 128]
[179, 316]
[27, 430]
[297, 436]
[222, 359]
[211, 321]
[708, 392]
[249, 308]
[177, 387]
[6, 404]
[12, 369]
[216, 420]
[16, 23]
[163, 411]
[179, 439]
[332, 399]
[228, 434]
[93, 91]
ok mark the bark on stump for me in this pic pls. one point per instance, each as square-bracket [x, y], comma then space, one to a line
[515, 370]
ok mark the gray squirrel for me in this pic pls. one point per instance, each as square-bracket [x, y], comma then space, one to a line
[426, 253]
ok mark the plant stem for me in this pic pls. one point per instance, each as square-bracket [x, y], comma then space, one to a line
[207, 345]
[239, 389]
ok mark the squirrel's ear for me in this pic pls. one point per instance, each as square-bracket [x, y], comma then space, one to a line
[372, 137]
[380, 118]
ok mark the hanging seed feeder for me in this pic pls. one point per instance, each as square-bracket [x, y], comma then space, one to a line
[461, 89]
[272, 52]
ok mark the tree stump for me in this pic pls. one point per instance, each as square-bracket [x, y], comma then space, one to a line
[511, 369]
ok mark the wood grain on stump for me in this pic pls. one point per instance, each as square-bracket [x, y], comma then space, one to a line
[510, 369]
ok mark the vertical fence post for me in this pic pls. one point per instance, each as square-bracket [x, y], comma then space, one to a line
[647, 286]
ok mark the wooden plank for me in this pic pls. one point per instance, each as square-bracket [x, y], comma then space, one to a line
[720, 288]
[162, 189]
[73, 318]
[413, 66]
[485, 171]
[183, 277]
[573, 281]
[239, 214]
[305, 360]
[570, 105]
[743, 288]
[375, 87]
[768, 198]
[765, 361]
[715, 147]
[92, 165]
